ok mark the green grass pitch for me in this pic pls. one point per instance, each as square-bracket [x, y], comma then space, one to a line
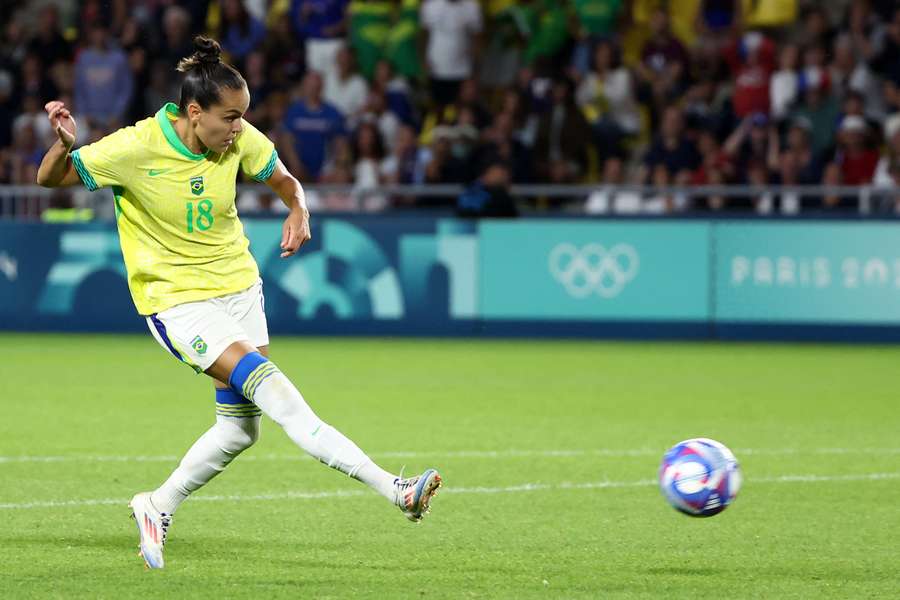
[549, 452]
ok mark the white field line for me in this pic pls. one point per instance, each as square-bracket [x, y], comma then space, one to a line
[524, 487]
[494, 454]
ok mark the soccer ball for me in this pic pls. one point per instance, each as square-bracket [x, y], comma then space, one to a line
[700, 477]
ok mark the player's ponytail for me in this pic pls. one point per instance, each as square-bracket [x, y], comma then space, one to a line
[205, 75]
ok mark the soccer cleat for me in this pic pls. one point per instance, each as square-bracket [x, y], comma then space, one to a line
[414, 494]
[153, 527]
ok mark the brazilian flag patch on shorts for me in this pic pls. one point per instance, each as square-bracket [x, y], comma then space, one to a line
[199, 345]
[196, 185]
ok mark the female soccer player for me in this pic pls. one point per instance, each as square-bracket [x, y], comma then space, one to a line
[192, 276]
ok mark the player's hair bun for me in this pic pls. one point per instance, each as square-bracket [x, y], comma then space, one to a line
[208, 52]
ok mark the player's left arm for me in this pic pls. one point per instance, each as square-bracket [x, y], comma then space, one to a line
[295, 231]
[259, 160]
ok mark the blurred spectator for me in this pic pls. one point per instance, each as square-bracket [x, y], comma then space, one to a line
[784, 86]
[370, 26]
[664, 62]
[345, 89]
[850, 75]
[48, 42]
[396, 91]
[606, 97]
[815, 27]
[368, 152]
[866, 30]
[375, 111]
[499, 145]
[451, 26]
[285, 58]
[671, 150]
[33, 79]
[103, 81]
[563, 136]
[752, 61]
[176, 39]
[883, 176]
[135, 44]
[856, 159]
[322, 23]
[258, 83]
[799, 145]
[161, 87]
[7, 108]
[819, 107]
[716, 166]
[313, 123]
[755, 141]
[400, 166]
[25, 155]
[885, 62]
[402, 50]
[717, 19]
[549, 31]
[440, 165]
[605, 200]
[240, 33]
[489, 196]
[34, 117]
[470, 98]
[597, 18]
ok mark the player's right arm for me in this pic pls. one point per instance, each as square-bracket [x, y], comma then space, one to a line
[57, 168]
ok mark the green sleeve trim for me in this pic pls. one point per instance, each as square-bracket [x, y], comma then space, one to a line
[83, 173]
[268, 169]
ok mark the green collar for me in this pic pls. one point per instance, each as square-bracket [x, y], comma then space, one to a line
[165, 123]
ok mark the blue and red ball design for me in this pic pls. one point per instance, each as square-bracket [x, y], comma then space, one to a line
[699, 477]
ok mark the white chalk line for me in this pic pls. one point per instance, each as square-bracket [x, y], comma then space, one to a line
[495, 454]
[524, 487]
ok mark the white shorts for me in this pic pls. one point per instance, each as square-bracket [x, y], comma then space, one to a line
[197, 333]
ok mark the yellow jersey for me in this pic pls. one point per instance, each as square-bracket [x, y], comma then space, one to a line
[178, 226]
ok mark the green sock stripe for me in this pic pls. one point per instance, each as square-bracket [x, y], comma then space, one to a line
[244, 411]
[253, 376]
[256, 377]
[262, 377]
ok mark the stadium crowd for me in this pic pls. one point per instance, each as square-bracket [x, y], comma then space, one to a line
[494, 92]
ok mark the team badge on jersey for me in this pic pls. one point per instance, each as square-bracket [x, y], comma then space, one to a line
[196, 185]
[197, 343]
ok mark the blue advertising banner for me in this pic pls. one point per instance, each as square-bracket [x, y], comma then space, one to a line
[568, 270]
[420, 275]
[356, 275]
[808, 272]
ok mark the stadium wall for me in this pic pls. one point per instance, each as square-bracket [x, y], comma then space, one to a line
[395, 275]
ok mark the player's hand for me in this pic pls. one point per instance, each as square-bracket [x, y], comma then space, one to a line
[295, 232]
[62, 121]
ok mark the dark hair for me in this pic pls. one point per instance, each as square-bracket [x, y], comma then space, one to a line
[377, 141]
[205, 75]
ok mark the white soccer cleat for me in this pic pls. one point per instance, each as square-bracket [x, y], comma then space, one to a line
[413, 495]
[153, 527]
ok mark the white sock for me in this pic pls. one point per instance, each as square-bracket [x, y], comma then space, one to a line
[205, 459]
[274, 393]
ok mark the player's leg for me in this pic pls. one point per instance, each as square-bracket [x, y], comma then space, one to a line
[195, 333]
[236, 429]
[261, 382]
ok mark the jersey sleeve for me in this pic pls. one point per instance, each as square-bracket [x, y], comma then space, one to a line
[258, 154]
[107, 161]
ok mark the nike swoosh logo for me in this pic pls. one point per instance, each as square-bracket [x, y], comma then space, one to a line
[155, 172]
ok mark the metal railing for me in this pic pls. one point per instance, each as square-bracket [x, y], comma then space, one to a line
[30, 203]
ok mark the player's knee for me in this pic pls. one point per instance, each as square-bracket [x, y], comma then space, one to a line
[236, 435]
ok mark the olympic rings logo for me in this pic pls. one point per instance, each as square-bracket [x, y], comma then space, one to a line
[593, 269]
